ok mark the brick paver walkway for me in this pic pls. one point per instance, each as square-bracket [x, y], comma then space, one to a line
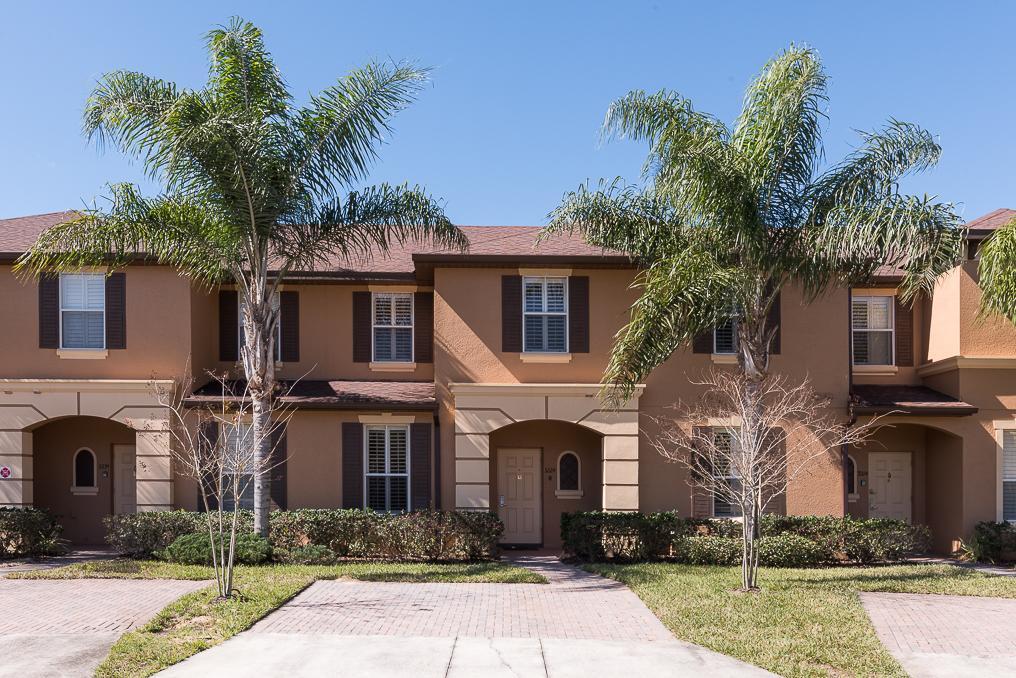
[84, 605]
[575, 604]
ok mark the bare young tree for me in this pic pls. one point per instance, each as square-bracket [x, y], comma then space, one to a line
[217, 446]
[745, 441]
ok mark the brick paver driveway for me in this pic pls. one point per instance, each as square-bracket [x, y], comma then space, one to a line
[579, 624]
[946, 635]
[65, 627]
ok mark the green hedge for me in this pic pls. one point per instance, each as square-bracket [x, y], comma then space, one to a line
[804, 540]
[196, 549]
[346, 533]
[993, 542]
[28, 532]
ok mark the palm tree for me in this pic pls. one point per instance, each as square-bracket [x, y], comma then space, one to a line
[997, 273]
[726, 217]
[254, 188]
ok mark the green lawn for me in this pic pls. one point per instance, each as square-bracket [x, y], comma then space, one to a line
[803, 622]
[199, 620]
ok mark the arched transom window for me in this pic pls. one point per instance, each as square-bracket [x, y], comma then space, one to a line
[569, 475]
[84, 472]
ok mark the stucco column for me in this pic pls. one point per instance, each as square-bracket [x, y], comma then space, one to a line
[472, 470]
[621, 472]
[153, 466]
[16, 455]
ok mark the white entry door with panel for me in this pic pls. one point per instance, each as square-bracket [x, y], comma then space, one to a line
[519, 500]
[125, 494]
[889, 489]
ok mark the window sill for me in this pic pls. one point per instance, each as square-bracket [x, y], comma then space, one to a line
[875, 369]
[568, 494]
[724, 358]
[545, 357]
[85, 490]
[392, 367]
[82, 353]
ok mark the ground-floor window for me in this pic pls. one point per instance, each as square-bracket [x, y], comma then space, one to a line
[387, 464]
[1009, 475]
[84, 469]
[238, 469]
[723, 473]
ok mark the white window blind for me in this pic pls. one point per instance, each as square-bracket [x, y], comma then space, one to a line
[725, 442]
[725, 337]
[393, 327]
[545, 315]
[240, 463]
[387, 476]
[1009, 475]
[872, 325]
[82, 310]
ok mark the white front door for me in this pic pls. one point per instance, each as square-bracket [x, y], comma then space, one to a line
[125, 495]
[889, 485]
[519, 501]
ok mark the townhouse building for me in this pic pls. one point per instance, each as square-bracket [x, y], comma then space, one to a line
[470, 380]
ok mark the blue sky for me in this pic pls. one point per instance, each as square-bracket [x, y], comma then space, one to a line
[519, 89]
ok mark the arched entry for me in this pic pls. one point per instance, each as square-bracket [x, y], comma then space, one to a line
[83, 472]
[528, 460]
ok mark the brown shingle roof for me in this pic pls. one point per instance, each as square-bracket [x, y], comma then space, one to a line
[20, 233]
[333, 395]
[901, 399]
[991, 221]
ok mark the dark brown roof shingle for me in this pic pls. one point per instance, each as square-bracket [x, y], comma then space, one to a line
[332, 395]
[902, 399]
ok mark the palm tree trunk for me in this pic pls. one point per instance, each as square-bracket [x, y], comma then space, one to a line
[259, 319]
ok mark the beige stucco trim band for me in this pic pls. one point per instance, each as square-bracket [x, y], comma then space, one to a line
[967, 362]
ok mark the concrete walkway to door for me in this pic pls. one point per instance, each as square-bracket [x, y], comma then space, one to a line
[579, 624]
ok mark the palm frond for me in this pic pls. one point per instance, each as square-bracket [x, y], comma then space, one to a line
[997, 274]
[127, 109]
[242, 73]
[619, 217]
[364, 224]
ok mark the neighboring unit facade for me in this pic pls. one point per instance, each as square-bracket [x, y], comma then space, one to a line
[470, 380]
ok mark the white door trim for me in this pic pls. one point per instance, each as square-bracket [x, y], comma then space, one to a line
[502, 455]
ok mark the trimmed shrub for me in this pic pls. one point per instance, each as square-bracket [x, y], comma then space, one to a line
[790, 550]
[196, 549]
[346, 533]
[883, 540]
[621, 536]
[311, 554]
[707, 550]
[993, 542]
[28, 532]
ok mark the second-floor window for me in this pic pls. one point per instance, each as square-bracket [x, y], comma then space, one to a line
[545, 315]
[725, 336]
[393, 327]
[82, 310]
[872, 330]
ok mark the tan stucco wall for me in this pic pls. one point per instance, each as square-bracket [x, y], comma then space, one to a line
[553, 438]
[158, 331]
[981, 336]
[55, 444]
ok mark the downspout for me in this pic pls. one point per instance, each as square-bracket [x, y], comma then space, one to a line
[437, 462]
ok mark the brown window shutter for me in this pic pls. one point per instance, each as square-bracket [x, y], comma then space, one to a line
[116, 311]
[904, 334]
[511, 313]
[361, 327]
[289, 319]
[419, 465]
[278, 458]
[423, 327]
[773, 320]
[207, 442]
[703, 342]
[49, 310]
[352, 465]
[778, 500]
[229, 327]
[701, 497]
[578, 314]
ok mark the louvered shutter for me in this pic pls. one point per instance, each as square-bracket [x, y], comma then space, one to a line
[361, 327]
[229, 327]
[578, 314]
[278, 458]
[49, 310]
[207, 444]
[511, 313]
[420, 465]
[904, 334]
[423, 327]
[289, 320]
[116, 311]
[701, 497]
[352, 465]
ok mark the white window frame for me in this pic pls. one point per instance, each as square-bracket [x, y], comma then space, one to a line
[891, 329]
[374, 326]
[388, 462]
[60, 297]
[240, 337]
[727, 478]
[569, 494]
[1004, 478]
[542, 279]
[85, 489]
[226, 471]
[733, 329]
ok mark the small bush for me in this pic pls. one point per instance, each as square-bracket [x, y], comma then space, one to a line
[992, 542]
[708, 550]
[791, 550]
[311, 554]
[602, 535]
[28, 532]
[883, 540]
[196, 549]
[140, 535]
